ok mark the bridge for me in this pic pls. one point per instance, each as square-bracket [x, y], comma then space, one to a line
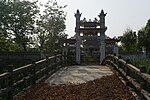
[85, 70]
[57, 70]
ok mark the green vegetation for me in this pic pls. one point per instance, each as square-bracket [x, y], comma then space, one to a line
[17, 21]
[128, 40]
[144, 36]
[50, 28]
[24, 27]
[142, 62]
[133, 42]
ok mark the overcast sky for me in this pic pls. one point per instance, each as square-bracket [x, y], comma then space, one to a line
[121, 14]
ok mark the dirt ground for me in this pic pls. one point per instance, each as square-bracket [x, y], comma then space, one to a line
[105, 88]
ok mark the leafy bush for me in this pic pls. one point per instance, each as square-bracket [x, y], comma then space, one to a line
[142, 62]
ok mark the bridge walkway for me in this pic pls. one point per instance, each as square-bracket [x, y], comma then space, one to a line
[79, 82]
[78, 74]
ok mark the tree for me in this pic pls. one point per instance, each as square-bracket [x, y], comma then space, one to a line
[17, 20]
[51, 27]
[147, 32]
[144, 36]
[7, 45]
[4, 18]
[129, 41]
[5, 42]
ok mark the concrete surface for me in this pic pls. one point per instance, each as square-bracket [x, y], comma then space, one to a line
[78, 74]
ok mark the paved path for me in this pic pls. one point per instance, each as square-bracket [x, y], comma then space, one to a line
[78, 74]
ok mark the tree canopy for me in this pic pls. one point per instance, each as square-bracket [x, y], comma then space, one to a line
[21, 20]
[17, 21]
[51, 27]
[144, 36]
[134, 42]
[129, 40]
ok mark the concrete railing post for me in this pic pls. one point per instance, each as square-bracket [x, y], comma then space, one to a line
[47, 65]
[127, 71]
[0, 94]
[10, 82]
[143, 69]
[33, 72]
[55, 61]
[61, 59]
[142, 81]
[118, 63]
[66, 60]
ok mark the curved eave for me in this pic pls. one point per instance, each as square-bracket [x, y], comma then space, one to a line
[91, 29]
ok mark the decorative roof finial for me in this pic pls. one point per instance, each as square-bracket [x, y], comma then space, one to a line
[102, 11]
[78, 12]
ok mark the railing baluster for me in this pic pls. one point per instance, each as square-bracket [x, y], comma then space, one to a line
[142, 81]
[142, 86]
[55, 61]
[128, 73]
[33, 72]
[10, 82]
[65, 60]
[61, 60]
[0, 94]
[118, 63]
[143, 69]
[47, 66]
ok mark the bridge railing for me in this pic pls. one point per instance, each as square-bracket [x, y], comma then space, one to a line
[15, 81]
[134, 77]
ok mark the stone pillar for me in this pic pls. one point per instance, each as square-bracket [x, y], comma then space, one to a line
[102, 20]
[65, 49]
[102, 35]
[78, 40]
[102, 47]
[42, 56]
[144, 51]
[116, 50]
[77, 48]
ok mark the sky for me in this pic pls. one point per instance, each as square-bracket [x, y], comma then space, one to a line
[121, 14]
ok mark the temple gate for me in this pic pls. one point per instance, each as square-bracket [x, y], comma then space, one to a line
[90, 42]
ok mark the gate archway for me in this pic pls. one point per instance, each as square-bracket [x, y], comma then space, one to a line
[90, 42]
